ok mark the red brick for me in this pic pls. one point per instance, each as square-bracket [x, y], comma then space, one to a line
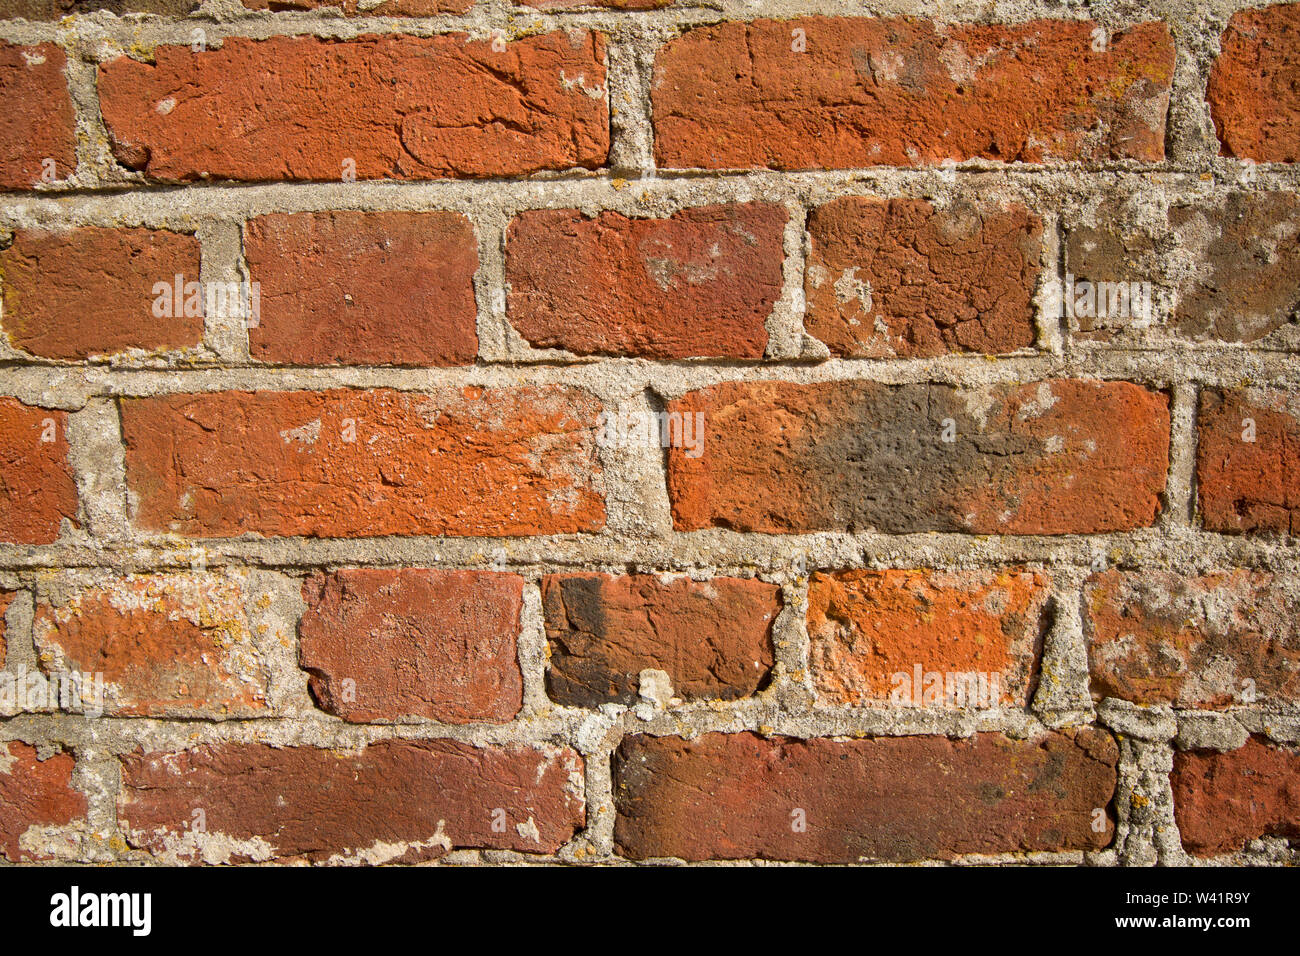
[400, 107]
[904, 92]
[868, 627]
[399, 800]
[1060, 457]
[1224, 800]
[414, 643]
[37, 490]
[87, 292]
[34, 794]
[352, 8]
[455, 461]
[1205, 642]
[37, 122]
[363, 288]
[702, 282]
[736, 796]
[900, 278]
[1254, 87]
[713, 638]
[168, 645]
[1249, 486]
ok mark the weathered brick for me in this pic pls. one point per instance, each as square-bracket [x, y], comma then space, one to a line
[1204, 641]
[352, 8]
[37, 490]
[702, 282]
[904, 92]
[901, 278]
[363, 288]
[385, 644]
[58, 9]
[1224, 800]
[869, 627]
[37, 122]
[1224, 268]
[1248, 460]
[395, 801]
[35, 794]
[398, 107]
[91, 291]
[712, 638]
[1254, 87]
[350, 463]
[604, 4]
[741, 796]
[168, 645]
[1059, 457]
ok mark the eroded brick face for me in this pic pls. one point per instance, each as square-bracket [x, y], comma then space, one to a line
[37, 129]
[413, 643]
[178, 645]
[1208, 641]
[901, 92]
[1222, 800]
[36, 797]
[363, 288]
[870, 632]
[1248, 460]
[395, 801]
[95, 292]
[37, 490]
[1066, 457]
[301, 108]
[901, 278]
[701, 283]
[1253, 86]
[347, 463]
[735, 796]
[712, 638]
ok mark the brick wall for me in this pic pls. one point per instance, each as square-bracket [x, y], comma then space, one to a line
[627, 430]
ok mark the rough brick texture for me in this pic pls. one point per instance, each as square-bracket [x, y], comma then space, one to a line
[1210, 641]
[298, 108]
[700, 283]
[179, 645]
[1224, 800]
[1064, 457]
[38, 137]
[350, 463]
[37, 490]
[712, 638]
[413, 643]
[901, 278]
[87, 292]
[901, 92]
[353, 288]
[1254, 88]
[741, 796]
[1248, 461]
[35, 796]
[595, 431]
[868, 627]
[394, 801]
